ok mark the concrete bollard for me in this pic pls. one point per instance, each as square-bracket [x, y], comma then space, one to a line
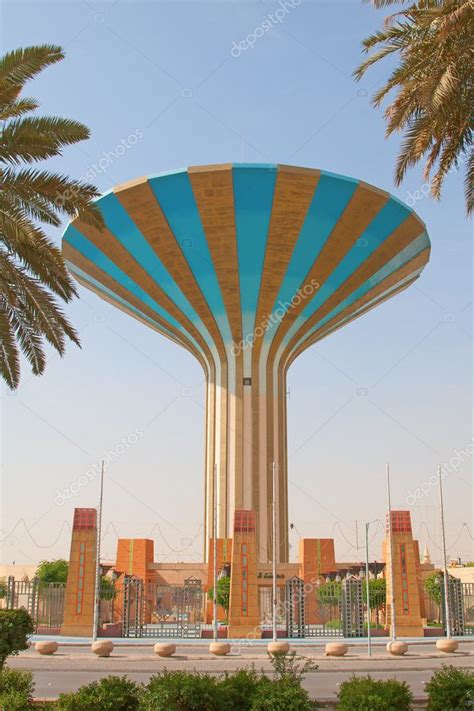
[219, 649]
[278, 647]
[397, 648]
[447, 645]
[102, 647]
[164, 650]
[336, 649]
[46, 647]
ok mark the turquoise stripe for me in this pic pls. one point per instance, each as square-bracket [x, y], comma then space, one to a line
[254, 186]
[127, 233]
[331, 197]
[115, 297]
[175, 196]
[77, 240]
[414, 248]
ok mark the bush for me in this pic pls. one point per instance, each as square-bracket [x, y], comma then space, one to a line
[451, 688]
[281, 695]
[114, 693]
[15, 626]
[180, 691]
[16, 689]
[362, 693]
[238, 690]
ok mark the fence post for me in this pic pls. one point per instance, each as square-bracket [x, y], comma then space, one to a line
[10, 592]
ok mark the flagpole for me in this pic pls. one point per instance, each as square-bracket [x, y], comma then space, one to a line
[95, 624]
[274, 556]
[445, 561]
[390, 534]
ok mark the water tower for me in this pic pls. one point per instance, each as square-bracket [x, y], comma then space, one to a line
[246, 266]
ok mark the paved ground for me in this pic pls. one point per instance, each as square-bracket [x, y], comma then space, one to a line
[73, 666]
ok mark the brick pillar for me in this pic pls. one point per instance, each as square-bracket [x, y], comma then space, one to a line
[316, 557]
[408, 606]
[244, 617]
[224, 557]
[134, 556]
[79, 596]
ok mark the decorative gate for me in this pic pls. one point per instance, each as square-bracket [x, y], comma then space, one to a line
[295, 626]
[352, 608]
[456, 606]
[170, 610]
[468, 607]
[132, 601]
[192, 608]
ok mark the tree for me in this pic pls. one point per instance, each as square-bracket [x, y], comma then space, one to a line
[329, 593]
[223, 592]
[433, 83]
[433, 586]
[32, 270]
[107, 589]
[15, 628]
[52, 571]
[377, 595]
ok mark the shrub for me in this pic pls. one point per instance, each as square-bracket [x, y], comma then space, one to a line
[238, 690]
[15, 626]
[16, 689]
[291, 667]
[362, 693]
[285, 691]
[451, 688]
[281, 695]
[180, 691]
[113, 693]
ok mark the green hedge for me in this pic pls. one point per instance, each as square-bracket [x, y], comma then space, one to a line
[362, 693]
[16, 689]
[113, 693]
[451, 688]
[15, 627]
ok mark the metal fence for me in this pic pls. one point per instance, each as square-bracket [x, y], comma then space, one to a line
[43, 601]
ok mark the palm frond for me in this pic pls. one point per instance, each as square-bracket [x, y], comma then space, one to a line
[39, 137]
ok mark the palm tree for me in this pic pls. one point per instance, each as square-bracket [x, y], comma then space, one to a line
[32, 271]
[434, 87]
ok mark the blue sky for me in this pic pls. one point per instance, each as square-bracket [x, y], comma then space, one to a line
[161, 86]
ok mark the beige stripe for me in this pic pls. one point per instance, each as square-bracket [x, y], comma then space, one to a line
[400, 238]
[362, 208]
[294, 191]
[116, 252]
[213, 193]
[88, 267]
